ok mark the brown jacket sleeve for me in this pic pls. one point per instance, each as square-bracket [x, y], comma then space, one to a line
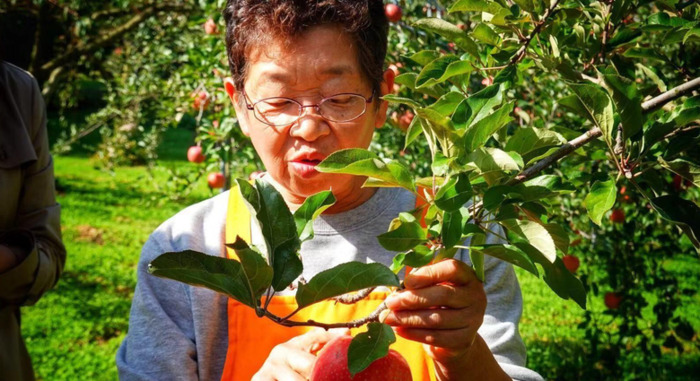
[29, 214]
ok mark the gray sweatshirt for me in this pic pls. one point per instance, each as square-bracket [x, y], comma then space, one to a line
[179, 332]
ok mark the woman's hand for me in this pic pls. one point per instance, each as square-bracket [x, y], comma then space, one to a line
[294, 359]
[442, 306]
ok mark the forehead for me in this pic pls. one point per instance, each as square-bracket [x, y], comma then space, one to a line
[323, 53]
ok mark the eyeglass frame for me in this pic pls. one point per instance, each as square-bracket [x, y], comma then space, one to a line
[251, 106]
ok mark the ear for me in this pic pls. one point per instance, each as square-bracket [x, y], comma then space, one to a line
[385, 88]
[235, 98]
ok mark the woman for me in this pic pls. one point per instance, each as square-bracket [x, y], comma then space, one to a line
[306, 81]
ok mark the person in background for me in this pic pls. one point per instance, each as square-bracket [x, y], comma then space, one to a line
[32, 254]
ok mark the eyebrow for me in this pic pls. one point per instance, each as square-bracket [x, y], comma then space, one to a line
[333, 70]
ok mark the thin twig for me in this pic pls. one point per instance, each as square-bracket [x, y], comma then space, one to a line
[520, 54]
[354, 298]
[374, 316]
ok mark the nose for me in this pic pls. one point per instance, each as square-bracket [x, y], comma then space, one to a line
[310, 125]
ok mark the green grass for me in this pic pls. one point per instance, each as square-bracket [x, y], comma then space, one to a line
[75, 330]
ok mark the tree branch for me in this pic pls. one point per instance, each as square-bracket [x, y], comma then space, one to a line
[374, 316]
[595, 132]
[111, 35]
[520, 54]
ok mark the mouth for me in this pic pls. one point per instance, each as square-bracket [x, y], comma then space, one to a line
[305, 165]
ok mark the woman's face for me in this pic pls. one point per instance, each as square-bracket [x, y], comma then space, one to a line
[320, 63]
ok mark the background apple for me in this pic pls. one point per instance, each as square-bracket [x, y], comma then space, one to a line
[332, 365]
[216, 180]
[210, 27]
[617, 216]
[393, 12]
[612, 300]
[195, 155]
[405, 120]
[571, 262]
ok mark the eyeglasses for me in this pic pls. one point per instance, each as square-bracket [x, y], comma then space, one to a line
[280, 111]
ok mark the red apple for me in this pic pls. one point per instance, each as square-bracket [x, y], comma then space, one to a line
[332, 365]
[405, 120]
[393, 12]
[216, 180]
[617, 216]
[201, 99]
[210, 27]
[571, 262]
[612, 300]
[195, 155]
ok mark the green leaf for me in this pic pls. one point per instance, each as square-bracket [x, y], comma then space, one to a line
[487, 160]
[451, 32]
[419, 256]
[498, 194]
[447, 104]
[478, 133]
[527, 5]
[257, 272]
[344, 278]
[433, 72]
[600, 199]
[684, 213]
[686, 169]
[508, 253]
[622, 36]
[530, 142]
[403, 238]
[451, 228]
[278, 229]
[485, 34]
[312, 207]
[424, 57]
[413, 132]
[361, 162]
[454, 193]
[198, 269]
[593, 103]
[535, 234]
[628, 102]
[476, 6]
[556, 275]
[391, 98]
[369, 346]
[559, 235]
[477, 106]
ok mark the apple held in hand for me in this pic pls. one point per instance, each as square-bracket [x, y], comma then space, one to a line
[332, 365]
[216, 180]
[195, 155]
[393, 12]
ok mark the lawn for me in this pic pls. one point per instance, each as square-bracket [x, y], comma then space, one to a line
[75, 330]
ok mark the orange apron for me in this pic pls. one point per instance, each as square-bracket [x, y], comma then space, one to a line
[251, 339]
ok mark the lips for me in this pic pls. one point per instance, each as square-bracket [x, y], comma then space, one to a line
[304, 164]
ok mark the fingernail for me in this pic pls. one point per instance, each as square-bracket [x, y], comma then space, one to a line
[383, 315]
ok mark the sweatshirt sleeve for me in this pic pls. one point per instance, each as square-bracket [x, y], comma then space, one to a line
[37, 230]
[160, 322]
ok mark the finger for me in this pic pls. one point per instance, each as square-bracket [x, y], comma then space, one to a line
[315, 338]
[453, 339]
[441, 295]
[283, 373]
[301, 363]
[449, 270]
[432, 319]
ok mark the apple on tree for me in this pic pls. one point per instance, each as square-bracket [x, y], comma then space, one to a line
[210, 27]
[216, 180]
[393, 12]
[405, 120]
[571, 262]
[332, 365]
[195, 155]
[612, 300]
[617, 216]
[201, 100]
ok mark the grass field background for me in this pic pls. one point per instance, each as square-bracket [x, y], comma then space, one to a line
[75, 330]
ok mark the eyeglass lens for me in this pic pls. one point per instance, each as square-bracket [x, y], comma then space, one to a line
[282, 111]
